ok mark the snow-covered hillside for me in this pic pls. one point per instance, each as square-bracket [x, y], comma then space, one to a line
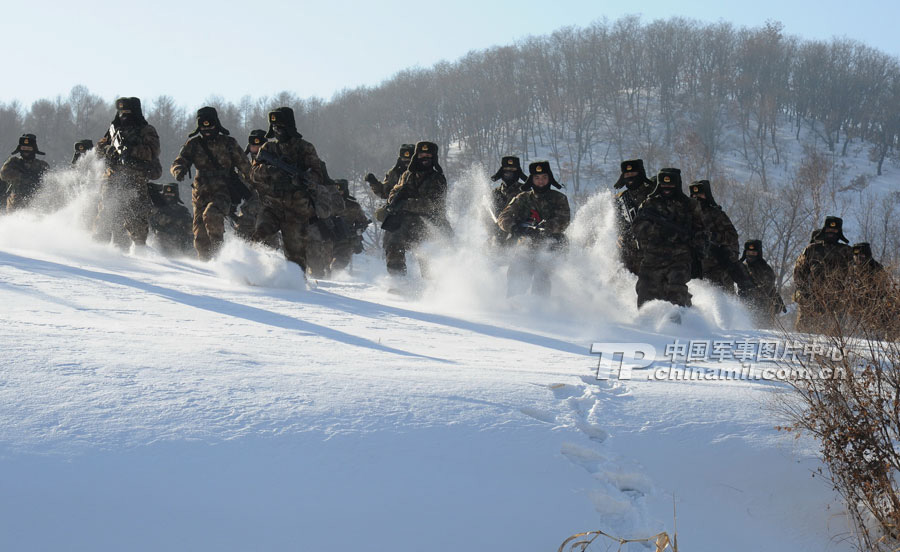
[166, 404]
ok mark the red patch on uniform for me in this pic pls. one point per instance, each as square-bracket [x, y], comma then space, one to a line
[535, 216]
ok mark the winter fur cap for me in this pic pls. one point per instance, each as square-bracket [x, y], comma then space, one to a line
[29, 142]
[81, 148]
[631, 165]
[257, 138]
[702, 187]
[282, 116]
[834, 222]
[207, 117]
[752, 245]
[540, 167]
[129, 105]
[406, 150]
[510, 162]
[172, 188]
[669, 176]
[862, 249]
[426, 147]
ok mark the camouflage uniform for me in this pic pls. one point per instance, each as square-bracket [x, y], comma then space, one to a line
[417, 202]
[170, 222]
[382, 188]
[820, 275]
[286, 207]
[538, 217]
[873, 294]
[124, 198]
[669, 229]
[637, 189]
[511, 184]
[210, 193]
[22, 173]
[721, 239]
[763, 296]
[245, 219]
[355, 222]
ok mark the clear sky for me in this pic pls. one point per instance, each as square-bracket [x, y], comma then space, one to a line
[191, 50]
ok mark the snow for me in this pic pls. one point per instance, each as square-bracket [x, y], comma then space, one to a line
[149, 403]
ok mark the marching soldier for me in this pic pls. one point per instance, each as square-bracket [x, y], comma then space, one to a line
[538, 219]
[82, 147]
[171, 223]
[872, 295]
[352, 222]
[511, 180]
[820, 275]
[669, 230]
[637, 188]
[131, 150]
[220, 162]
[720, 264]
[763, 297]
[22, 173]
[415, 205]
[382, 188]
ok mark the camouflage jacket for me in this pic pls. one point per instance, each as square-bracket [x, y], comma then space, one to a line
[391, 179]
[550, 207]
[143, 147]
[173, 223]
[720, 232]
[422, 194]
[822, 263]
[764, 292]
[21, 176]
[872, 283]
[502, 195]
[228, 156]
[273, 182]
[353, 213]
[669, 227]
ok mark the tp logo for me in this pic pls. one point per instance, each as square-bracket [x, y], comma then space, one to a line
[622, 358]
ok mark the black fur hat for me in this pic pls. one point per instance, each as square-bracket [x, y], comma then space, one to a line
[540, 167]
[669, 176]
[206, 117]
[257, 138]
[863, 249]
[426, 147]
[27, 142]
[130, 105]
[507, 163]
[632, 165]
[752, 245]
[832, 222]
[282, 116]
[702, 187]
[81, 148]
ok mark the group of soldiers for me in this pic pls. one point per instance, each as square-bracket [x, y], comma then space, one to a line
[290, 202]
[277, 191]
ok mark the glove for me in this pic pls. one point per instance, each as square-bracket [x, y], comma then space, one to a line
[372, 180]
[395, 207]
[179, 174]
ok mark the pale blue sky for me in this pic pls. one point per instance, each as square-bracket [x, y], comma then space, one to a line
[193, 49]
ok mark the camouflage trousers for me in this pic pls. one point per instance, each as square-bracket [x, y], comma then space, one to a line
[124, 204]
[211, 204]
[715, 274]
[319, 252]
[664, 278]
[19, 199]
[396, 244]
[288, 212]
[531, 265]
[629, 253]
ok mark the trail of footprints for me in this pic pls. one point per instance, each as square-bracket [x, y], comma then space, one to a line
[620, 490]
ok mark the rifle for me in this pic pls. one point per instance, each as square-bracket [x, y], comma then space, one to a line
[121, 142]
[629, 209]
[297, 175]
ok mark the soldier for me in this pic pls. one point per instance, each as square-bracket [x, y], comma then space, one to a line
[511, 179]
[537, 218]
[131, 150]
[171, 222]
[637, 188]
[820, 275]
[416, 204]
[287, 203]
[245, 219]
[720, 263]
[763, 296]
[219, 160]
[669, 230]
[382, 188]
[23, 173]
[351, 224]
[872, 297]
[81, 149]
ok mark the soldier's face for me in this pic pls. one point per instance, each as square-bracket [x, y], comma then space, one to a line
[509, 176]
[667, 191]
[254, 150]
[281, 131]
[26, 153]
[425, 159]
[541, 180]
[699, 196]
[752, 253]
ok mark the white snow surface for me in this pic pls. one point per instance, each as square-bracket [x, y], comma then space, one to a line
[149, 403]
